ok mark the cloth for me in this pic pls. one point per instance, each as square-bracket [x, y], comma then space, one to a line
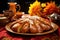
[5, 34]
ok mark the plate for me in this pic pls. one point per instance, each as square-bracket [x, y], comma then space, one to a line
[55, 27]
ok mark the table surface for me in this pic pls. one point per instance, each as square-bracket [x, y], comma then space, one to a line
[4, 34]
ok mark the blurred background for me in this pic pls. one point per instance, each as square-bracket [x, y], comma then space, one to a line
[23, 3]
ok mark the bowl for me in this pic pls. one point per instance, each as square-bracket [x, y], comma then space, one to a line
[55, 17]
[3, 20]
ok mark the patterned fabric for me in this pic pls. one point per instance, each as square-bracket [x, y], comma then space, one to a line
[5, 35]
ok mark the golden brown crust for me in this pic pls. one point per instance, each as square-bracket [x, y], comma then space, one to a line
[25, 27]
[32, 24]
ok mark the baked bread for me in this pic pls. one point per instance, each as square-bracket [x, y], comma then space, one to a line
[31, 24]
